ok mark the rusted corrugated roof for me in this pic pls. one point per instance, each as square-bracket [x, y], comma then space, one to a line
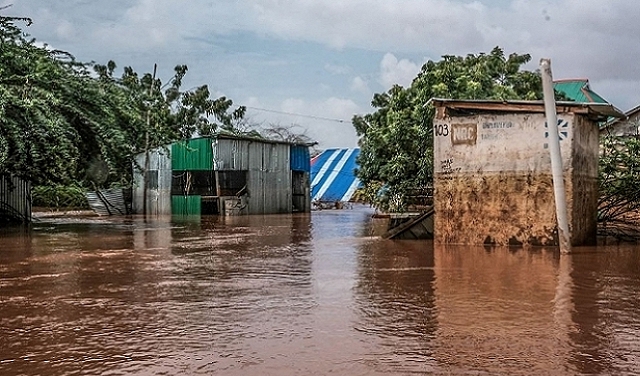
[628, 115]
[599, 111]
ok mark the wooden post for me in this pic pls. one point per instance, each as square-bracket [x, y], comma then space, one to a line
[145, 173]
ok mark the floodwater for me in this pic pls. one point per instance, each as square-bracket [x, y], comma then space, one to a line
[305, 295]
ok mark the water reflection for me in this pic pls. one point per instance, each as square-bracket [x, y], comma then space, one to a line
[152, 297]
[396, 303]
[494, 310]
[499, 310]
[607, 310]
[305, 294]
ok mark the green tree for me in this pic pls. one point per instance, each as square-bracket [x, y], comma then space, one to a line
[396, 140]
[38, 120]
[62, 124]
[56, 118]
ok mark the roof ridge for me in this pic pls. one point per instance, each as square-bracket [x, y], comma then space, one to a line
[586, 80]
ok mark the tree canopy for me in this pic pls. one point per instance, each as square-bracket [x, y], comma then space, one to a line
[396, 140]
[59, 118]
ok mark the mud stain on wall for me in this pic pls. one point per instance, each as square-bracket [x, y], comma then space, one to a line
[500, 209]
[511, 209]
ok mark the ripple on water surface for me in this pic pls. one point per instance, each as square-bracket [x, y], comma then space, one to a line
[305, 294]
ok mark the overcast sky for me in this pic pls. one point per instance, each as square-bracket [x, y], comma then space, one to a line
[322, 60]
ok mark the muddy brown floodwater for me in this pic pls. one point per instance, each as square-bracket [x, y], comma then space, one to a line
[305, 295]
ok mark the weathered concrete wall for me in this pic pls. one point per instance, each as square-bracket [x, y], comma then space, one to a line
[493, 180]
[624, 128]
[495, 208]
[583, 184]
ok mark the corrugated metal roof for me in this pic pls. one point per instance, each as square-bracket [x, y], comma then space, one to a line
[107, 201]
[333, 175]
[451, 107]
[578, 90]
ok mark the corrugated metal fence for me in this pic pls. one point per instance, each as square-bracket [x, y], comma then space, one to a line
[107, 201]
[15, 198]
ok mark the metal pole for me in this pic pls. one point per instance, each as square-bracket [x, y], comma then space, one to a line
[145, 176]
[564, 235]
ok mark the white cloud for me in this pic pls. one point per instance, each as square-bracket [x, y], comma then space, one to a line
[252, 102]
[394, 71]
[592, 38]
[65, 30]
[400, 24]
[332, 133]
[340, 108]
[588, 38]
[360, 85]
[147, 24]
[327, 121]
[293, 105]
[337, 69]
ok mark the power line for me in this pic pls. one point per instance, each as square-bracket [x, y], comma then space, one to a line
[299, 115]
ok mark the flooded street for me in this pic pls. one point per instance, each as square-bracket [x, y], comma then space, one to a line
[305, 294]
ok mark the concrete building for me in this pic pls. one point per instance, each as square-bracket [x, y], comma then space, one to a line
[628, 127]
[226, 175]
[492, 171]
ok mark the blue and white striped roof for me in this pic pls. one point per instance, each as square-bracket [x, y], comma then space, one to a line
[332, 175]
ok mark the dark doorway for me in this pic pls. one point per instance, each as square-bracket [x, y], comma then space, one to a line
[210, 205]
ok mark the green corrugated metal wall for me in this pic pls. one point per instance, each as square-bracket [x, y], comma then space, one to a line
[186, 205]
[195, 154]
[192, 155]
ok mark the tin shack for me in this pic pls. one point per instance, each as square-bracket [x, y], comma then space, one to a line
[492, 171]
[225, 175]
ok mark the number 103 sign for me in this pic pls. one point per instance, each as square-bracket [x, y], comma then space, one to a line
[461, 134]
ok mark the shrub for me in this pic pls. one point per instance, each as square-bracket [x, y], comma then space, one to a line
[60, 197]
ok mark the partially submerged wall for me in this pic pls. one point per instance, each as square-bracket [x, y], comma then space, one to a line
[268, 170]
[583, 184]
[225, 175]
[15, 198]
[159, 192]
[493, 180]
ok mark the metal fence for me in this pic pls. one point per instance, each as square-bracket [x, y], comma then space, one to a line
[15, 199]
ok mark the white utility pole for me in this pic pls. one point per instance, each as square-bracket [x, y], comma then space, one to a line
[564, 236]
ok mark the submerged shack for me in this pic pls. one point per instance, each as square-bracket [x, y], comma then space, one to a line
[492, 171]
[225, 175]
